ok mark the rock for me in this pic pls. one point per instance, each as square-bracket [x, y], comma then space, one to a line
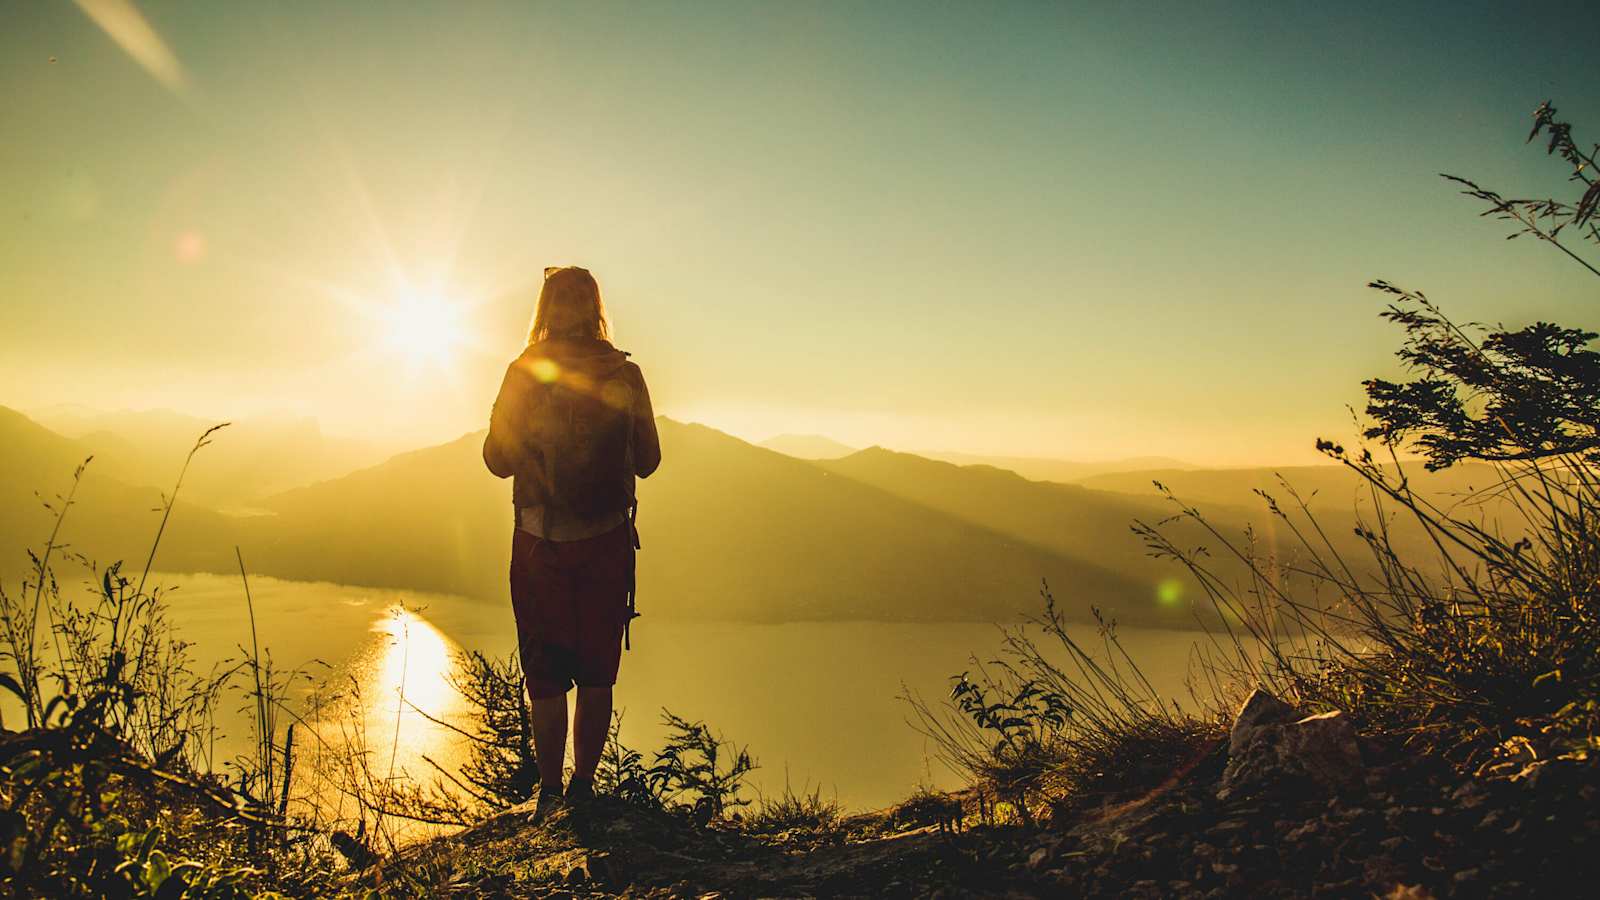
[1038, 858]
[1268, 741]
[1325, 744]
[1259, 709]
[358, 854]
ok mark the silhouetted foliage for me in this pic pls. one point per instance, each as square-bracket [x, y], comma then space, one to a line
[796, 811]
[1496, 394]
[698, 772]
[501, 765]
[1486, 652]
[1035, 728]
[622, 772]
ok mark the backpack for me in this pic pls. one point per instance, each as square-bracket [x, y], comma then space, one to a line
[582, 444]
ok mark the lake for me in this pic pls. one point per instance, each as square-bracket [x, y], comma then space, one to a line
[816, 703]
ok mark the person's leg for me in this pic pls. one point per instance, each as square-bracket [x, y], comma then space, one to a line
[550, 740]
[591, 722]
[541, 603]
[603, 597]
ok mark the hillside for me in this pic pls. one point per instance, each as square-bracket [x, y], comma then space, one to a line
[1064, 518]
[110, 519]
[249, 460]
[730, 531]
[1331, 487]
[807, 446]
[1084, 523]
[1039, 468]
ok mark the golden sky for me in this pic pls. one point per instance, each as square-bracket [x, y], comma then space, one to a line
[1016, 228]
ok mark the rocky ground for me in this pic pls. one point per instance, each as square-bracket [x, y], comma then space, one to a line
[1288, 805]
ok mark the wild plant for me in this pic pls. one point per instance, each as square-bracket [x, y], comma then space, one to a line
[114, 789]
[1487, 650]
[622, 772]
[19, 621]
[927, 806]
[697, 773]
[78, 807]
[796, 811]
[501, 768]
[1032, 729]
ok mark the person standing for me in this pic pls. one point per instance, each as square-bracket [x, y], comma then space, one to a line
[572, 426]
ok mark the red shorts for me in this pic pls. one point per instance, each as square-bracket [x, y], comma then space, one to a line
[571, 603]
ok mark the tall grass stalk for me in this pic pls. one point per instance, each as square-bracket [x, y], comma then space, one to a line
[1036, 725]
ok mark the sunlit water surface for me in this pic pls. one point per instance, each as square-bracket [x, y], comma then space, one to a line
[816, 703]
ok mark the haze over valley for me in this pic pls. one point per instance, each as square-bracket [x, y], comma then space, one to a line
[733, 531]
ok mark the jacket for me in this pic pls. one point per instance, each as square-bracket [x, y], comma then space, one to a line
[510, 448]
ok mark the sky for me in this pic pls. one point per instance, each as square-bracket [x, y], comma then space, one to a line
[1047, 229]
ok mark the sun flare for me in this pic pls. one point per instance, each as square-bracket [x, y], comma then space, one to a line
[426, 330]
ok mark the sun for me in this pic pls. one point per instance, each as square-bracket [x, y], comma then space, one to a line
[426, 330]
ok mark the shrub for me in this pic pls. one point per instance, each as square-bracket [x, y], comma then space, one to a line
[697, 773]
[927, 806]
[1033, 732]
[502, 768]
[622, 772]
[791, 811]
[112, 790]
[1486, 651]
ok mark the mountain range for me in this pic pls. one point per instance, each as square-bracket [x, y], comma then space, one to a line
[731, 530]
[1034, 468]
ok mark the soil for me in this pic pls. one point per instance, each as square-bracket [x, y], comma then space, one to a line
[1407, 828]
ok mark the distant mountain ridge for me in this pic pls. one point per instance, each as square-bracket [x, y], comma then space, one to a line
[807, 446]
[731, 530]
[251, 459]
[109, 518]
[1036, 468]
[1329, 486]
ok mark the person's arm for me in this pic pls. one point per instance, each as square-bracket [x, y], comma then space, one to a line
[646, 443]
[502, 447]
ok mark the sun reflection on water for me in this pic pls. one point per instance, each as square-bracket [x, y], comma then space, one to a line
[381, 727]
[416, 664]
[405, 679]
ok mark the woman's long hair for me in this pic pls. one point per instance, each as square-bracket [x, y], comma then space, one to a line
[569, 306]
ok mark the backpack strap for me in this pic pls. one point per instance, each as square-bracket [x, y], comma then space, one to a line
[633, 575]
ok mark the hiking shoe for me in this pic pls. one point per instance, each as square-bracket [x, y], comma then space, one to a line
[548, 802]
[579, 792]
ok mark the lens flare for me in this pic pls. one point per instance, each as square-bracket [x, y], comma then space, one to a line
[123, 23]
[190, 247]
[546, 370]
[1169, 592]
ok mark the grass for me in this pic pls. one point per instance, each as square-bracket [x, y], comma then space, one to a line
[791, 811]
[1482, 650]
[1035, 736]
